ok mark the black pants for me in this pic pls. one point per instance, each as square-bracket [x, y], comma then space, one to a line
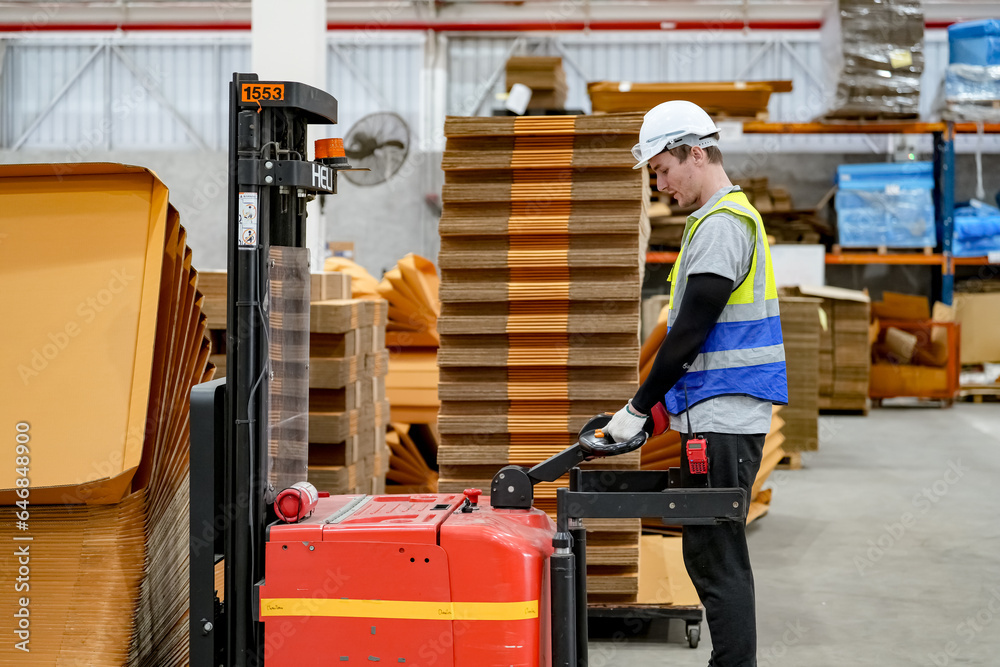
[716, 557]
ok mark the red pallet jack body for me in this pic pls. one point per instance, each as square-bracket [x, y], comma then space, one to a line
[420, 580]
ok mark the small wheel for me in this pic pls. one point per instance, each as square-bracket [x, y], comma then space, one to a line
[694, 634]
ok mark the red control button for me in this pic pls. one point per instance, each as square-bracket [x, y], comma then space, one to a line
[473, 495]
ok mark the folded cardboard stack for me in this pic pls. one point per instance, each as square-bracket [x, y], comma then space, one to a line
[844, 347]
[413, 448]
[411, 288]
[348, 410]
[348, 364]
[729, 99]
[874, 51]
[540, 290]
[102, 370]
[800, 329]
[544, 75]
[213, 285]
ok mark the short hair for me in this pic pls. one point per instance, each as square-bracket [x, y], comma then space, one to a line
[712, 152]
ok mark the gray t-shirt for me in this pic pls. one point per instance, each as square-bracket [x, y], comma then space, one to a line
[723, 245]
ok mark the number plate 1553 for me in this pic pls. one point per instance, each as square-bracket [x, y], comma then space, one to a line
[256, 92]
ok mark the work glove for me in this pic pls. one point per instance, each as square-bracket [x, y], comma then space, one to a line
[626, 423]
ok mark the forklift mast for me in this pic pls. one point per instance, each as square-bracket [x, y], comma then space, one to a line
[249, 430]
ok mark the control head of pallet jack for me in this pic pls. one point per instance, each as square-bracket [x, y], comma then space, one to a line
[598, 443]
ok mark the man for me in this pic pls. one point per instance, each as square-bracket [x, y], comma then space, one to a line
[722, 363]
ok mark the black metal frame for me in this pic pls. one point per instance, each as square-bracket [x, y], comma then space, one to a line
[230, 496]
[619, 494]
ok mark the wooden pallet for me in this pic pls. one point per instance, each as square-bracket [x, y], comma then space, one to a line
[980, 393]
[881, 250]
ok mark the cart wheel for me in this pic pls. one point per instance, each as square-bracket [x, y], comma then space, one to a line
[694, 634]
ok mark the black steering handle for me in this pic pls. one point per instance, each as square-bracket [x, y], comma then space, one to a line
[598, 443]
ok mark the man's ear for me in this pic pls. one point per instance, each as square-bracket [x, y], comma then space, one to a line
[698, 155]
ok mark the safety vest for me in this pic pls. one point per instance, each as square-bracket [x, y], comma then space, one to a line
[744, 353]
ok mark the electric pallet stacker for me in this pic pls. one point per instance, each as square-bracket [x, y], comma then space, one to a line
[311, 579]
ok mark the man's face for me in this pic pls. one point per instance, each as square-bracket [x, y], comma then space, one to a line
[678, 179]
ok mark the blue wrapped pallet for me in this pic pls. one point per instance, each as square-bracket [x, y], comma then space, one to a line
[974, 43]
[977, 230]
[888, 204]
[970, 84]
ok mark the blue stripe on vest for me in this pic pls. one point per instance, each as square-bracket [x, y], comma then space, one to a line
[766, 382]
[743, 335]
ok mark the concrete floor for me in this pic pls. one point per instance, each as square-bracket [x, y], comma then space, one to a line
[883, 550]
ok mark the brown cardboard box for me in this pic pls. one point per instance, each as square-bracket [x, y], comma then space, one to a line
[907, 380]
[979, 315]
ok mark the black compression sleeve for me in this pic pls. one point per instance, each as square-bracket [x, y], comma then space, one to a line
[705, 295]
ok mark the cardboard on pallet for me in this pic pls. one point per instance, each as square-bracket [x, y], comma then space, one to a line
[733, 99]
[575, 317]
[540, 330]
[800, 329]
[214, 284]
[845, 354]
[544, 75]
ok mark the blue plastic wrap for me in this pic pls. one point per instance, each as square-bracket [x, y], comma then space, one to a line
[972, 93]
[971, 83]
[888, 205]
[977, 230]
[974, 43]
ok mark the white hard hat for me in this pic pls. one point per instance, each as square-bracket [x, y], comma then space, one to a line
[672, 124]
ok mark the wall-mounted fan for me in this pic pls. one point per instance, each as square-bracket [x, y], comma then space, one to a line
[380, 142]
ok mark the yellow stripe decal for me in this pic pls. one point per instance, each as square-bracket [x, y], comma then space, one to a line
[405, 609]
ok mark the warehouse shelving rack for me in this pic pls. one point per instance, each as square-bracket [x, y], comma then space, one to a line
[944, 191]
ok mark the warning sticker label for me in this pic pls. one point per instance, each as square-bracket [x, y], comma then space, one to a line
[248, 218]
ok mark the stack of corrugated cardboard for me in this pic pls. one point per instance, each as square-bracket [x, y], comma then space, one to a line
[348, 363]
[544, 75]
[348, 410]
[99, 370]
[540, 291]
[728, 99]
[844, 347]
[411, 288]
[874, 56]
[213, 285]
[800, 329]
[411, 339]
